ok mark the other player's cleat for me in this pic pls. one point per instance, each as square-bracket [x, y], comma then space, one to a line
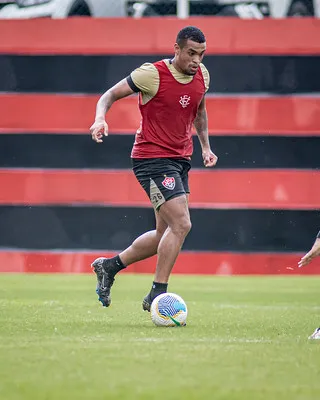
[105, 279]
[146, 303]
[316, 334]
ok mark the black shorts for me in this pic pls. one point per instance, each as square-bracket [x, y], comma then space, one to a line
[162, 178]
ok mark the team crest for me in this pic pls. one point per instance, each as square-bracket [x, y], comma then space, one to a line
[169, 183]
[184, 101]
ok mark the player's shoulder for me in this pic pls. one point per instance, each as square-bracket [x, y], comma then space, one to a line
[204, 70]
[145, 72]
[206, 76]
[146, 78]
[147, 67]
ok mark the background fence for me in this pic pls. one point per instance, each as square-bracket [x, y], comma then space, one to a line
[258, 9]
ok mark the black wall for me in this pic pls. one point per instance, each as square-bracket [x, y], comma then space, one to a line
[113, 228]
[94, 74]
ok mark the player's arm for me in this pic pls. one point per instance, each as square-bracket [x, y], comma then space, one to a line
[314, 252]
[117, 92]
[201, 125]
[144, 79]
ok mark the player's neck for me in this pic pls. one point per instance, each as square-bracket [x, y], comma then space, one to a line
[173, 62]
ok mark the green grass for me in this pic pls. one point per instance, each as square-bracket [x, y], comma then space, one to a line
[246, 338]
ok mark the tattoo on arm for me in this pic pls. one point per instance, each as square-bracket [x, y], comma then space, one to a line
[201, 125]
[103, 105]
[117, 92]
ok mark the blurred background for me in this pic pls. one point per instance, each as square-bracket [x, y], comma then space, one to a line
[158, 8]
[65, 200]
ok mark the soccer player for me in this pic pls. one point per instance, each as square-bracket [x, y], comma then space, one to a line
[171, 101]
[305, 260]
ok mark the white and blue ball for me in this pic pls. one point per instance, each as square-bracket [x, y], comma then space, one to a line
[169, 309]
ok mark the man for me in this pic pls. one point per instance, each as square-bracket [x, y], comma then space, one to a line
[305, 260]
[171, 101]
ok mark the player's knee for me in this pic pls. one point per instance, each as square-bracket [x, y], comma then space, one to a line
[182, 226]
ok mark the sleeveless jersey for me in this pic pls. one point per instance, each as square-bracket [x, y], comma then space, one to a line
[167, 119]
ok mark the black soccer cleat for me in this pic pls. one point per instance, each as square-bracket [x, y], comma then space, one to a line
[105, 279]
[146, 303]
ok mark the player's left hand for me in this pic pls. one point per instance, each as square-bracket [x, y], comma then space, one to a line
[314, 252]
[209, 158]
[305, 260]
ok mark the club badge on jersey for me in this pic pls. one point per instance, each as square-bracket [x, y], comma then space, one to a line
[184, 101]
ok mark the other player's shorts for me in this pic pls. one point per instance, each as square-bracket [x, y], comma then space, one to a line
[162, 178]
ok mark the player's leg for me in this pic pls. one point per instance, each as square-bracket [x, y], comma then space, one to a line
[161, 180]
[315, 335]
[175, 213]
[145, 245]
[151, 176]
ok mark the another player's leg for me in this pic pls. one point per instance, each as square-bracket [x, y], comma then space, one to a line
[143, 247]
[175, 214]
[315, 335]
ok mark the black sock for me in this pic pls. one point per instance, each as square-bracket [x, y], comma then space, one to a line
[116, 264]
[158, 288]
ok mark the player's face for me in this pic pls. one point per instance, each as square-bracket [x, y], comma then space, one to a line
[189, 57]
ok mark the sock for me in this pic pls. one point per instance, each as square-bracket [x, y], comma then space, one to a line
[158, 288]
[116, 264]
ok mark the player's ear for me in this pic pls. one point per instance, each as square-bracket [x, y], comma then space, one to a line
[176, 49]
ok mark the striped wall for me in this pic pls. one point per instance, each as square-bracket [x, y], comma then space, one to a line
[65, 200]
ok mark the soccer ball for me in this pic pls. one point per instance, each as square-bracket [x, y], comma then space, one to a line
[169, 309]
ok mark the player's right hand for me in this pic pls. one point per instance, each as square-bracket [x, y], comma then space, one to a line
[99, 129]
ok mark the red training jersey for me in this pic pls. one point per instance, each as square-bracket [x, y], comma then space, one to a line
[167, 119]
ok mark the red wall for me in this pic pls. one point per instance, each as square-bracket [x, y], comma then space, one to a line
[119, 36]
[227, 115]
[245, 115]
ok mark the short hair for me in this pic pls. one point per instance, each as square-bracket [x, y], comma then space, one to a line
[191, 33]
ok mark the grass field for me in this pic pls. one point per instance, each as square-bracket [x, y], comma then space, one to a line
[246, 338]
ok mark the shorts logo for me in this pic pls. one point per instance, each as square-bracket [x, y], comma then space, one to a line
[169, 183]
